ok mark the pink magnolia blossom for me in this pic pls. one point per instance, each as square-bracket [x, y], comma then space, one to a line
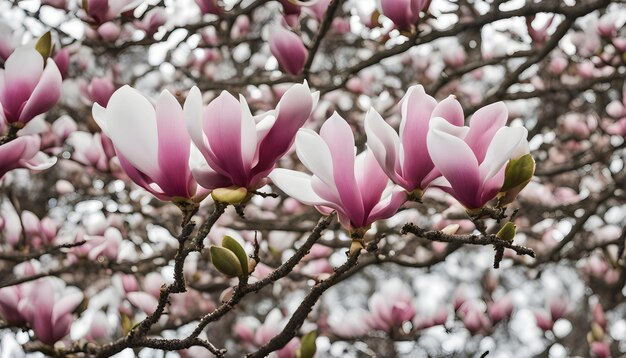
[403, 13]
[89, 150]
[23, 152]
[356, 187]
[10, 298]
[151, 21]
[391, 306]
[209, 7]
[543, 319]
[62, 60]
[10, 223]
[499, 310]
[101, 11]
[601, 350]
[109, 31]
[100, 90]
[49, 313]
[151, 143]
[472, 159]
[404, 157]
[28, 86]
[59, 4]
[538, 34]
[288, 49]
[242, 149]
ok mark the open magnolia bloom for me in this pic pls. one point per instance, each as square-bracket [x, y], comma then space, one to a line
[151, 143]
[472, 159]
[23, 152]
[29, 86]
[355, 186]
[405, 157]
[241, 149]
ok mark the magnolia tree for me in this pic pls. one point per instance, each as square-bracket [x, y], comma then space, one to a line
[329, 178]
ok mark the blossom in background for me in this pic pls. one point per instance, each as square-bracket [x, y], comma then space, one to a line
[29, 86]
[101, 11]
[288, 49]
[100, 90]
[23, 152]
[391, 306]
[405, 157]
[151, 143]
[403, 13]
[48, 309]
[472, 159]
[356, 187]
[241, 149]
[209, 7]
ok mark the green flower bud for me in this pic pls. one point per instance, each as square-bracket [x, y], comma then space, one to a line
[307, 347]
[517, 174]
[233, 245]
[225, 261]
[230, 195]
[44, 45]
[507, 232]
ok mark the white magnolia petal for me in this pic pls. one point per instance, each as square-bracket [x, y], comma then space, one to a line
[504, 145]
[297, 185]
[315, 155]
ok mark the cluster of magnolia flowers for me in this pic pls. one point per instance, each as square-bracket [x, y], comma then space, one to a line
[183, 153]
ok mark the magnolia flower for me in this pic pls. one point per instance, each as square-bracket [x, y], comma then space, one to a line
[9, 299]
[101, 11]
[242, 149]
[472, 159]
[403, 13]
[209, 7]
[357, 188]
[151, 20]
[151, 143]
[405, 158]
[49, 313]
[100, 90]
[288, 49]
[391, 306]
[23, 152]
[28, 86]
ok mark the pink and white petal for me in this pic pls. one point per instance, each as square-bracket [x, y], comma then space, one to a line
[505, 143]
[208, 178]
[24, 66]
[66, 305]
[383, 141]
[292, 111]
[192, 113]
[248, 134]
[222, 126]
[388, 206]
[483, 126]
[40, 161]
[492, 186]
[417, 107]
[371, 179]
[174, 146]
[142, 300]
[46, 93]
[297, 185]
[450, 109]
[337, 134]
[455, 160]
[315, 155]
[99, 115]
[132, 127]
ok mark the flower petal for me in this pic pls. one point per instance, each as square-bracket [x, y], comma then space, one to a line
[46, 93]
[297, 185]
[483, 126]
[450, 109]
[383, 141]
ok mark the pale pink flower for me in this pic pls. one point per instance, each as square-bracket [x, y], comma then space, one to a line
[601, 350]
[151, 143]
[288, 49]
[49, 310]
[472, 159]
[241, 149]
[28, 86]
[391, 306]
[403, 13]
[356, 187]
[23, 152]
[151, 21]
[209, 7]
[100, 90]
[404, 157]
[101, 11]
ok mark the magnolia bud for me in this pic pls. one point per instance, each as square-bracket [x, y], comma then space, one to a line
[307, 347]
[230, 195]
[451, 229]
[44, 45]
[507, 232]
[234, 246]
[517, 174]
[225, 261]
